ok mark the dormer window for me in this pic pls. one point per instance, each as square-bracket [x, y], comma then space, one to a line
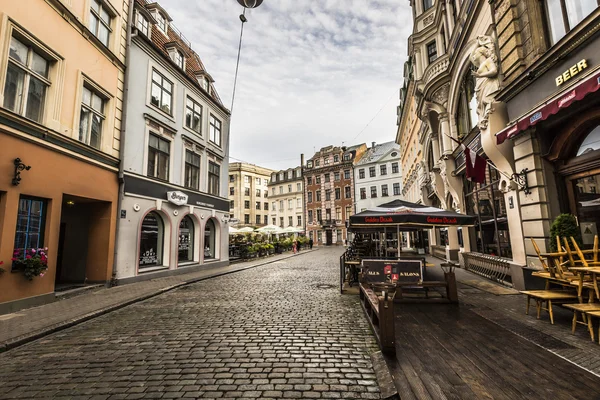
[142, 24]
[161, 22]
[178, 58]
[204, 83]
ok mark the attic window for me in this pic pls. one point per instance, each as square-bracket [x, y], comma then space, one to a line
[178, 58]
[161, 22]
[204, 83]
[143, 24]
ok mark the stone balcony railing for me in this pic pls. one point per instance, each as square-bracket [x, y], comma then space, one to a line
[436, 68]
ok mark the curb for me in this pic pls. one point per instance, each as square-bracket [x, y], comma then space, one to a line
[387, 389]
[21, 340]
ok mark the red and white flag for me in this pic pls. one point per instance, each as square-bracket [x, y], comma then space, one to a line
[475, 165]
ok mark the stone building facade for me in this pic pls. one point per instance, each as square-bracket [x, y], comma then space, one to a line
[286, 197]
[329, 192]
[62, 67]
[249, 194]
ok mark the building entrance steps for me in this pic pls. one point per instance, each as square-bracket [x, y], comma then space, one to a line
[29, 324]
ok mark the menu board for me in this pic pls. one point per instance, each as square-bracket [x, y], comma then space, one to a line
[397, 271]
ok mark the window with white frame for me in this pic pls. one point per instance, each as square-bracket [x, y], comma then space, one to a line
[361, 173]
[91, 118]
[298, 187]
[214, 174]
[299, 220]
[26, 80]
[193, 115]
[432, 52]
[159, 151]
[290, 204]
[100, 21]
[161, 22]
[142, 24]
[192, 170]
[215, 130]
[179, 58]
[384, 190]
[373, 191]
[257, 181]
[564, 15]
[396, 189]
[161, 92]
[395, 168]
[298, 203]
[383, 169]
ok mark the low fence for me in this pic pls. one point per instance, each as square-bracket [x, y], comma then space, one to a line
[492, 267]
[438, 252]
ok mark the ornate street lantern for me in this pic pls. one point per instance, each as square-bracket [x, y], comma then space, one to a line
[250, 3]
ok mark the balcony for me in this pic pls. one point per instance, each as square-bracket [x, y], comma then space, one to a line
[435, 69]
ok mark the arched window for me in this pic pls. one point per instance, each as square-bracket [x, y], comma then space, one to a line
[151, 241]
[466, 112]
[210, 248]
[590, 143]
[186, 240]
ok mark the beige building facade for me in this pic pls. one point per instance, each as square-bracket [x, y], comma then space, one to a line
[249, 194]
[286, 198]
[62, 69]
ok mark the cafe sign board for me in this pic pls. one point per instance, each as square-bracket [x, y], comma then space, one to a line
[396, 271]
[571, 72]
[177, 198]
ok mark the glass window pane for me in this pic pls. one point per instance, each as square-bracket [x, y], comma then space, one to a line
[93, 23]
[555, 20]
[103, 34]
[95, 5]
[577, 10]
[166, 103]
[188, 118]
[97, 103]
[156, 77]
[35, 99]
[18, 51]
[86, 96]
[13, 88]
[163, 166]
[96, 133]
[167, 86]
[591, 142]
[39, 65]
[84, 122]
[105, 16]
[164, 146]
[155, 98]
[154, 141]
[150, 254]
[151, 161]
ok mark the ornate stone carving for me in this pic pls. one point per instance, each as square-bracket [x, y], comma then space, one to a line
[486, 77]
[441, 95]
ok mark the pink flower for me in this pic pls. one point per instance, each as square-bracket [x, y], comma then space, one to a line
[42, 274]
[45, 249]
[28, 257]
[33, 251]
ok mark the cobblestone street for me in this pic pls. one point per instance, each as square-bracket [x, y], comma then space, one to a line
[277, 331]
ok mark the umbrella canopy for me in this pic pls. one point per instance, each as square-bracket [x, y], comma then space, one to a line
[233, 231]
[291, 229]
[269, 229]
[246, 229]
[403, 213]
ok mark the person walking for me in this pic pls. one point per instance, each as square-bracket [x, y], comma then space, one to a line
[294, 246]
[310, 243]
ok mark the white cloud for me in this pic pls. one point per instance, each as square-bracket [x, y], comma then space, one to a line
[312, 72]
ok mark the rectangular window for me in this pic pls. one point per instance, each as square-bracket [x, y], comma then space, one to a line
[26, 81]
[193, 115]
[91, 118]
[265, 182]
[247, 204]
[361, 174]
[431, 52]
[347, 174]
[291, 221]
[231, 204]
[298, 187]
[266, 206]
[319, 215]
[384, 190]
[289, 188]
[247, 191]
[298, 203]
[309, 180]
[327, 178]
[266, 193]
[299, 220]
[326, 161]
[348, 211]
[257, 181]
[336, 176]
[246, 179]
[373, 191]
[310, 216]
[266, 219]
[192, 170]
[215, 130]
[383, 169]
[100, 22]
[142, 24]
[257, 206]
[372, 172]
[396, 189]
[318, 195]
[274, 221]
[394, 168]
[31, 218]
[258, 219]
[309, 197]
[338, 213]
[280, 205]
[258, 192]
[336, 158]
[231, 178]
[564, 15]
[290, 204]
[280, 189]
[347, 192]
[273, 191]
[274, 207]
[214, 173]
[281, 222]
[231, 191]
[246, 219]
[162, 92]
[427, 4]
[338, 193]
[347, 156]
[327, 194]
[363, 193]
[318, 180]
[158, 157]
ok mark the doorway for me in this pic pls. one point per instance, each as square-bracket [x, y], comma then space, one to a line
[328, 237]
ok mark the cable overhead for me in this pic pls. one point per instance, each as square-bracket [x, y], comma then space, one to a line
[378, 112]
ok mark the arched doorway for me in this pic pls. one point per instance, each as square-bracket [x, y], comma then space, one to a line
[151, 241]
[210, 241]
[186, 241]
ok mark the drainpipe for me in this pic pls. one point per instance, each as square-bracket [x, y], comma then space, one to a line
[121, 176]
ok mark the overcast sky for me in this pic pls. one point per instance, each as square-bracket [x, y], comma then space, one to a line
[312, 72]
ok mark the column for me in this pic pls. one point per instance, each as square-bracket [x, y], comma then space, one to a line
[452, 248]
[445, 133]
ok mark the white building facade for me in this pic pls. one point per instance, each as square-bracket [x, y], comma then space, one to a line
[377, 176]
[286, 197]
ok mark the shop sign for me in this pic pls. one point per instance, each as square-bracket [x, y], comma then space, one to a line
[148, 257]
[177, 197]
[571, 72]
[402, 271]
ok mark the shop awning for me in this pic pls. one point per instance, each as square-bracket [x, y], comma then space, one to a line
[563, 100]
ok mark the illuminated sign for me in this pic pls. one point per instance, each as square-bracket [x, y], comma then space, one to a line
[571, 72]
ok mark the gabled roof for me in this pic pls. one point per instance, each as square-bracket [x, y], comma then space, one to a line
[375, 154]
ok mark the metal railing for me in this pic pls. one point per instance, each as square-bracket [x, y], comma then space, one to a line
[438, 251]
[492, 267]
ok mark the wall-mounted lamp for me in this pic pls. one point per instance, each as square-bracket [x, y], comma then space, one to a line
[19, 166]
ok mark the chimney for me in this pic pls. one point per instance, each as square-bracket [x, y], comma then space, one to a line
[372, 145]
[302, 160]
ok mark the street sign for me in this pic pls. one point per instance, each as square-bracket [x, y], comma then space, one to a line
[387, 271]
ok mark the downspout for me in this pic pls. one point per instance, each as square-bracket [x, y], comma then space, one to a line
[121, 174]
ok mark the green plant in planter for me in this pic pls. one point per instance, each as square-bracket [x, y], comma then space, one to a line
[31, 262]
[565, 225]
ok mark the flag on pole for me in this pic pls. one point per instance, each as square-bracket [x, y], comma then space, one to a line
[474, 163]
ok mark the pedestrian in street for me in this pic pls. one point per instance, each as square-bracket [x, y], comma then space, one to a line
[294, 246]
[310, 243]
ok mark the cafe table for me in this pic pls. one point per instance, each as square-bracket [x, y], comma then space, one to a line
[593, 271]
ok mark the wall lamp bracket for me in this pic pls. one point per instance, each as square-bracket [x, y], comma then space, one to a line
[521, 180]
[19, 166]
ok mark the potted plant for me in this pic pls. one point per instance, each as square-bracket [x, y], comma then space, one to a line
[565, 225]
[30, 262]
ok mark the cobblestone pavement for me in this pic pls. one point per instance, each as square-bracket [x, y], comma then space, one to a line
[277, 331]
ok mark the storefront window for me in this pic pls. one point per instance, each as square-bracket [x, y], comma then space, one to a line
[484, 200]
[209, 240]
[587, 196]
[31, 216]
[151, 241]
[186, 240]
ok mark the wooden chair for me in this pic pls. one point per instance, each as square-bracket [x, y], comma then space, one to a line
[546, 271]
[585, 320]
[548, 296]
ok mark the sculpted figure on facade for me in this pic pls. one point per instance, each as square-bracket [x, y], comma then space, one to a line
[486, 77]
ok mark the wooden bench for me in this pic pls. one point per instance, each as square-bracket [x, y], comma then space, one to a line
[425, 285]
[380, 312]
[589, 315]
[547, 296]
[583, 309]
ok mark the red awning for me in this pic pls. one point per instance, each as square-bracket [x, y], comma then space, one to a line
[563, 100]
